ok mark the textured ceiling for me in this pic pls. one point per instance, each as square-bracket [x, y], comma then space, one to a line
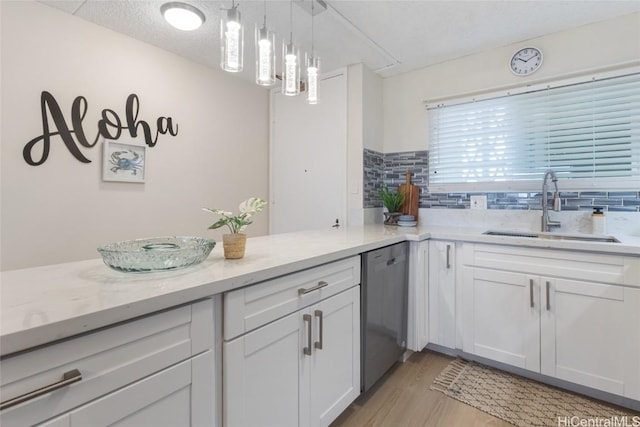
[390, 37]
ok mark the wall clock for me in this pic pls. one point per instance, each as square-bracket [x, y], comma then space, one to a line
[526, 61]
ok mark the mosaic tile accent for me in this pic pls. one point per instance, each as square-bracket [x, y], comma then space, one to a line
[569, 201]
[396, 166]
[373, 178]
[390, 169]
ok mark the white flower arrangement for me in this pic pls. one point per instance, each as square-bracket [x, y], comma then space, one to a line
[237, 223]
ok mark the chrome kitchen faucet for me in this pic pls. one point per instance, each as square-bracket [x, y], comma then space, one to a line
[547, 224]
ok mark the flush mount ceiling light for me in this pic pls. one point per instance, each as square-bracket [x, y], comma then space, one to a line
[182, 16]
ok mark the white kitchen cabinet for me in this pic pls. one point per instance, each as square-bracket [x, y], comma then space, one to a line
[303, 369]
[334, 365]
[578, 324]
[442, 293]
[168, 398]
[291, 355]
[418, 298]
[157, 370]
[501, 322]
[590, 334]
[262, 376]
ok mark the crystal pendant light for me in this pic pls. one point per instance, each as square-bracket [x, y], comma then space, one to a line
[313, 68]
[265, 53]
[290, 62]
[231, 40]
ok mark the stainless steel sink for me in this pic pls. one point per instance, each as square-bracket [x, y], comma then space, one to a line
[552, 236]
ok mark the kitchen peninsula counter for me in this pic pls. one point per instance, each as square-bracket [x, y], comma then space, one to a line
[44, 304]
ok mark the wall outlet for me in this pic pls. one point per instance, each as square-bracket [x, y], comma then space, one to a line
[479, 202]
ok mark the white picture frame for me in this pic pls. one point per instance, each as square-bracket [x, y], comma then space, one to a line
[123, 162]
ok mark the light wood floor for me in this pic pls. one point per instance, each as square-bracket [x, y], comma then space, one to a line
[403, 399]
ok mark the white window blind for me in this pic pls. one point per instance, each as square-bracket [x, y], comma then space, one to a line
[588, 133]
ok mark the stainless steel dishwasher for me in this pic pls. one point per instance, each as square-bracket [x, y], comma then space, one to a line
[383, 309]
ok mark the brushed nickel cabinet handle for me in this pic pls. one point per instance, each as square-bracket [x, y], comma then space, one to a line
[531, 292]
[548, 293]
[307, 350]
[448, 256]
[70, 377]
[318, 314]
[321, 284]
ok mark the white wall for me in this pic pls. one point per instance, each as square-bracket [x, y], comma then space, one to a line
[373, 113]
[604, 44]
[355, 135]
[62, 210]
[364, 130]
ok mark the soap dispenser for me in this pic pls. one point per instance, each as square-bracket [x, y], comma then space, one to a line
[598, 221]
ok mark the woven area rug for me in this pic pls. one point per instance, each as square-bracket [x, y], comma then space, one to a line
[520, 401]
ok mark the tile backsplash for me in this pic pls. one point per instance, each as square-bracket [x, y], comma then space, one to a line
[390, 169]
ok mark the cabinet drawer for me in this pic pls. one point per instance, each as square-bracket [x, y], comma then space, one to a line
[251, 307]
[595, 267]
[107, 360]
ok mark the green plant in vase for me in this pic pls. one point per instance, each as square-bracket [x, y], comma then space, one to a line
[392, 200]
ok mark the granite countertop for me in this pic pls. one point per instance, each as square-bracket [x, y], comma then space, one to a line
[44, 304]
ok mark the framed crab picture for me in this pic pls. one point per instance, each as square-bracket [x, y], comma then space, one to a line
[123, 162]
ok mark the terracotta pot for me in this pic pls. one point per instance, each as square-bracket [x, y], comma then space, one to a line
[234, 245]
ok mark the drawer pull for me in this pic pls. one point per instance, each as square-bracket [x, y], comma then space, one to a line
[321, 284]
[307, 350]
[531, 292]
[70, 377]
[318, 344]
[548, 294]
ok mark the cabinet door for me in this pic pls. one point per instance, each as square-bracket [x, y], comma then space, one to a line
[334, 366]
[502, 317]
[418, 301]
[261, 375]
[442, 293]
[163, 399]
[590, 335]
[308, 164]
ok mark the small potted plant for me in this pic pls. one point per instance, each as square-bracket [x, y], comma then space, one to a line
[234, 243]
[392, 200]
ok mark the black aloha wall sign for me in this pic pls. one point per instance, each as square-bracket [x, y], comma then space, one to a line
[110, 126]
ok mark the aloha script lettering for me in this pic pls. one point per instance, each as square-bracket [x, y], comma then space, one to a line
[110, 126]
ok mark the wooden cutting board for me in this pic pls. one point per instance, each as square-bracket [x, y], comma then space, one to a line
[411, 197]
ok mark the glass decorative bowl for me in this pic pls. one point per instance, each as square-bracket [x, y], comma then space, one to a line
[156, 253]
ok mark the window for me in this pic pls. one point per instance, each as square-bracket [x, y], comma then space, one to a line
[588, 133]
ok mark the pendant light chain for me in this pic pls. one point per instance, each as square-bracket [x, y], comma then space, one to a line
[313, 2]
[291, 21]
